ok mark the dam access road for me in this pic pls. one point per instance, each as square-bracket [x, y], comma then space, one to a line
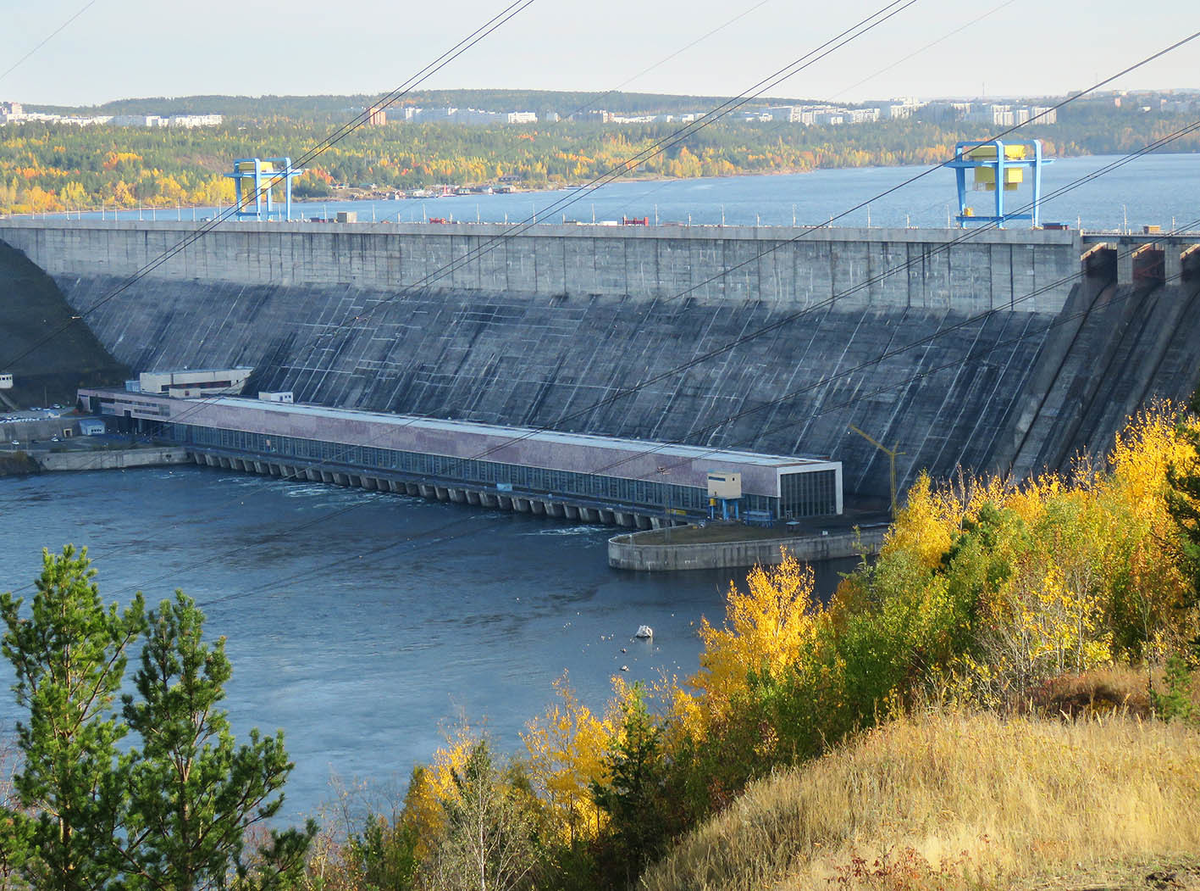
[1004, 351]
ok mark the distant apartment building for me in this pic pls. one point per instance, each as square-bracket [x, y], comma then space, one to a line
[1010, 115]
[376, 116]
[138, 120]
[14, 113]
[470, 116]
[82, 121]
[864, 115]
[194, 120]
[789, 113]
[902, 109]
[594, 116]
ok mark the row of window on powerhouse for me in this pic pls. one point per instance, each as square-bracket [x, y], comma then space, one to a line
[807, 498]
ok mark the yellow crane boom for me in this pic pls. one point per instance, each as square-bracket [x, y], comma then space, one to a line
[891, 453]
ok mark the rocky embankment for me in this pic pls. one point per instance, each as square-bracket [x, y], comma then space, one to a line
[17, 464]
[44, 344]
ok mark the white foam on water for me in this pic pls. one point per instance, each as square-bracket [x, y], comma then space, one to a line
[567, 530]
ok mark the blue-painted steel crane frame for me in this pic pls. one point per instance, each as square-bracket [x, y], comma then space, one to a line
[962, 163]
[264, 182]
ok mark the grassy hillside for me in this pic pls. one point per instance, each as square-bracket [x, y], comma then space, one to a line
[958, 801]
[50, 354]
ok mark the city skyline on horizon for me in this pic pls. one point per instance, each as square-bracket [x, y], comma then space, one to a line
[759, 102]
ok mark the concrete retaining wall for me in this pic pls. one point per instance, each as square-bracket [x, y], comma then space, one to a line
[41, 429]
[112, 460]
[626, 551]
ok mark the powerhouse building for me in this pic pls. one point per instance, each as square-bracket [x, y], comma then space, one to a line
[506, 464]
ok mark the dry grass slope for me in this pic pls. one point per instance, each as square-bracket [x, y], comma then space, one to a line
[958, 801]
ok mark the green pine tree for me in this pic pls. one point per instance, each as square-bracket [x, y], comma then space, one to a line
[1175, 704]
[171, 815]
[69, 660]
[634, 794]
[193, 791]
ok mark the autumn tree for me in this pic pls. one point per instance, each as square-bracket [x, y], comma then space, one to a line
[766, 631]
[566, 747]
[489, 840]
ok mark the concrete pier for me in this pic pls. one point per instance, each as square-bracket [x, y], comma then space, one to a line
[629, 552]
[165, 456]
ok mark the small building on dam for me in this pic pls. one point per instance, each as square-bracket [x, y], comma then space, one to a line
[578, 476]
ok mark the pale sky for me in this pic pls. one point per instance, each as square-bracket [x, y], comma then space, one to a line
[136, 48]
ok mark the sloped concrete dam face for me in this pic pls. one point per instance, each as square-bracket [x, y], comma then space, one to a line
[960, 354]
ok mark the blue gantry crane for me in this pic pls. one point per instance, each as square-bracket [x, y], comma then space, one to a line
[999, 168]
[261, 176]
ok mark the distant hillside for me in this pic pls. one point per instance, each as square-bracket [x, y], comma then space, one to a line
[32, 308]
[51, 167]
[325, 108]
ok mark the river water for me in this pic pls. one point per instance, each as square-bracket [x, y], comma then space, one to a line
[362, 636]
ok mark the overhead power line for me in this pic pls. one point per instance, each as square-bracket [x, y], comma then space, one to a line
[362, 118]
[780, 400]
[47, 39]
[841, 39]
[773, 326]
[436, 535]
[501, 18]
[642, 384]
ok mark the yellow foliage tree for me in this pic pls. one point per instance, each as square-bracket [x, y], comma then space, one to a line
[74, 196]
[926, 525]
[566, 747]
[768, 628]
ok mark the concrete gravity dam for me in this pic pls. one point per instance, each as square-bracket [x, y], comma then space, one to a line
[1002, 351]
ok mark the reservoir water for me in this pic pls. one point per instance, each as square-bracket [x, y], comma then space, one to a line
[363, 635]
[1156, 188]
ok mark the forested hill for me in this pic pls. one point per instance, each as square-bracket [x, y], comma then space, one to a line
[337, 108]
[53, 167]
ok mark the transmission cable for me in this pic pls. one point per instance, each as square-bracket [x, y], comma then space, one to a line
[501, 18]
[47, 39]
[741, 340]
[973, 356]
[199, 233]
[854, 31]
[791, 395]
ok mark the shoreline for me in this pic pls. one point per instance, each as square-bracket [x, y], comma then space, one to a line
[366, 196]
